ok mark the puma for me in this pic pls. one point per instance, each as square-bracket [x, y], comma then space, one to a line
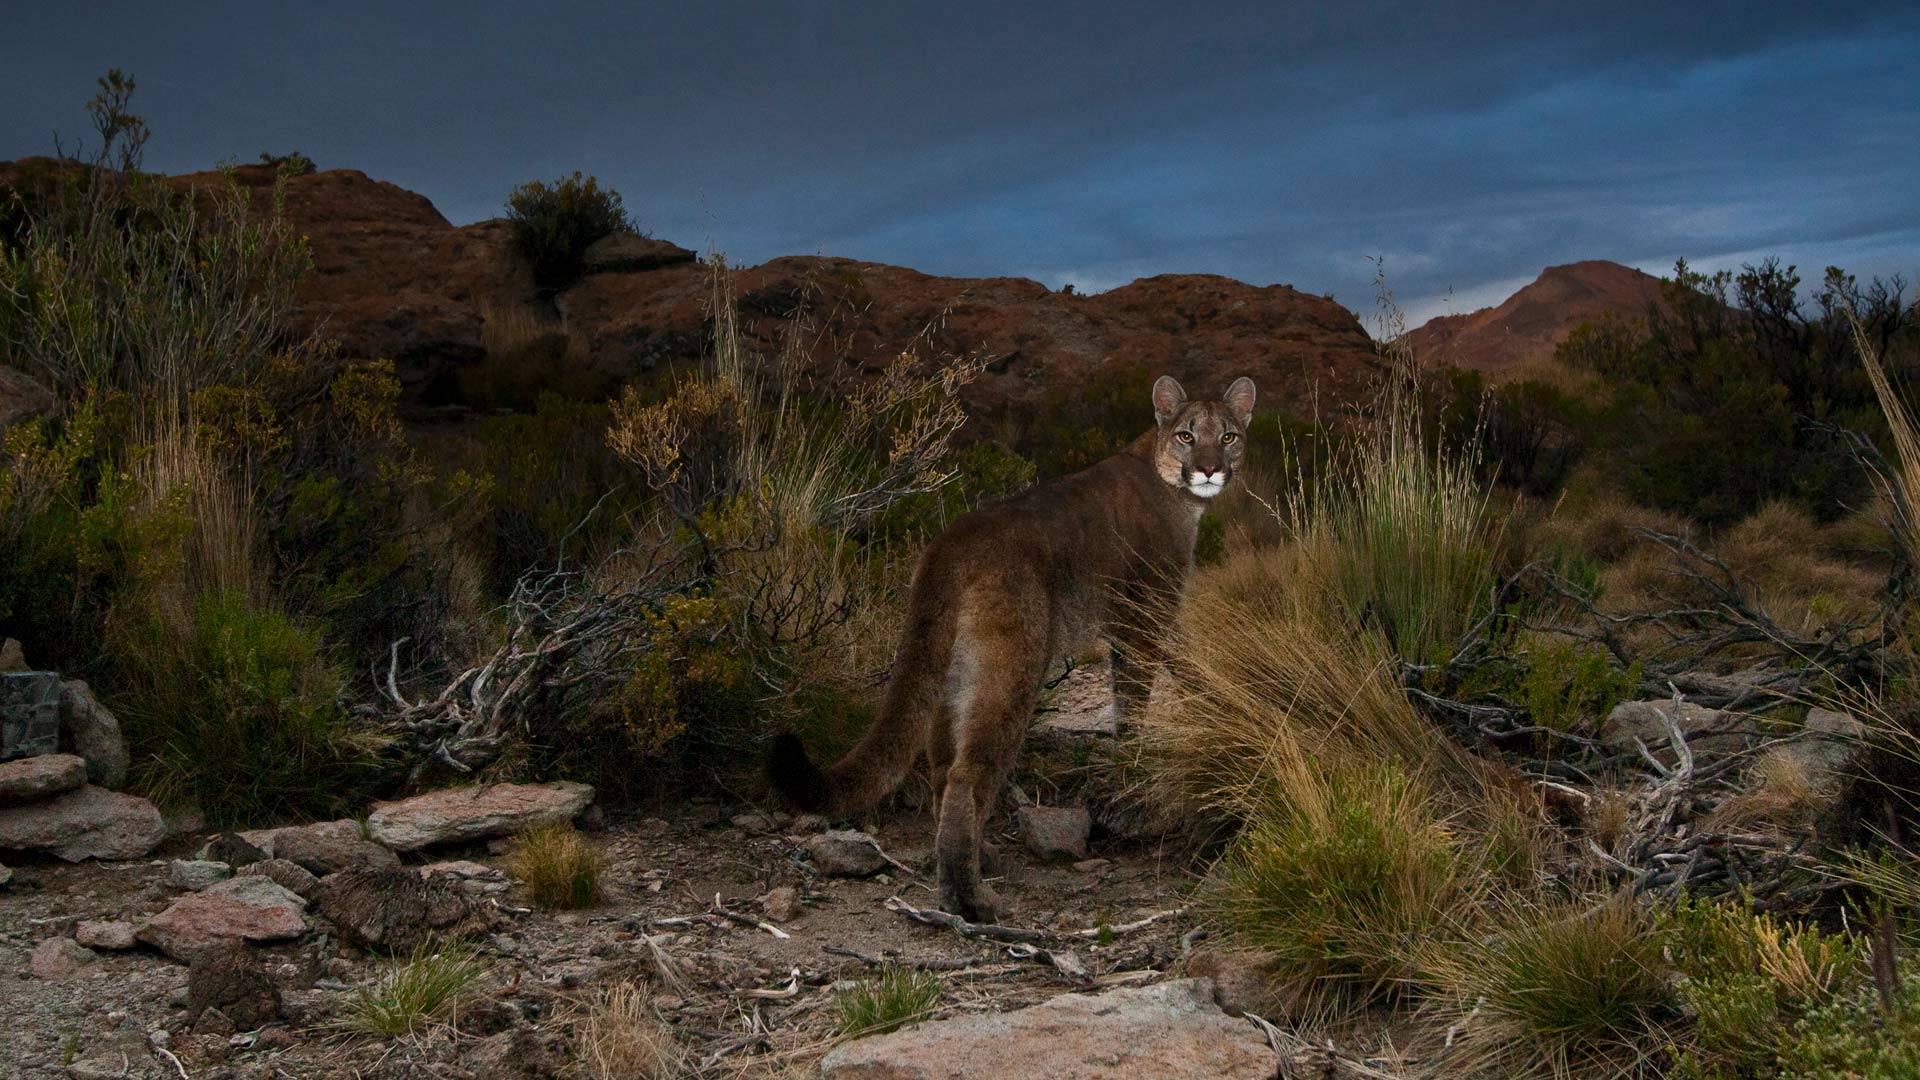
[1005, 590]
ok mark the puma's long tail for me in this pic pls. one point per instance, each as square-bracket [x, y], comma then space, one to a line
[877, 764]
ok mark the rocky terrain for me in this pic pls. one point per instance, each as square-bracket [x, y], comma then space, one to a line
[244, 954]
[1530, 324]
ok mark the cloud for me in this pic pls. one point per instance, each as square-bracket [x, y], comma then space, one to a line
[1474, 143]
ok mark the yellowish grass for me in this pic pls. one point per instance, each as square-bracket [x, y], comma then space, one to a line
[618, 1036]
[560, 868]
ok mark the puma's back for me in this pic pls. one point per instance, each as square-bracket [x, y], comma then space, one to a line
[1010, 586]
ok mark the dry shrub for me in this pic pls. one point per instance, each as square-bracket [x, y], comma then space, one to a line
[618, 1036]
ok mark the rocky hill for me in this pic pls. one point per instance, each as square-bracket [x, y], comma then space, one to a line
[1531, 323]
[393, 278]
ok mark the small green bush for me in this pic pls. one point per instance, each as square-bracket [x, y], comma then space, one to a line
[554, 224]
[900, 996]
[293, 164]
[239, 712]
[1566, 990]
[1568, 687]
[1857, 1039]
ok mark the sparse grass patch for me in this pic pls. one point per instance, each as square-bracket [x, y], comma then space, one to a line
[414, 992]
[618, 1036]
[560, 867]
[888, 1002]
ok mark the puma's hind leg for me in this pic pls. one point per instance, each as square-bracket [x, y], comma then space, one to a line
[988, 732]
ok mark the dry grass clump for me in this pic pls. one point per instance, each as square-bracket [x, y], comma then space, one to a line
[618, 1036]
[414, 992]
[560, 868]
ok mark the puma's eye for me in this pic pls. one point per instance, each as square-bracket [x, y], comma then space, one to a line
[1228, 437]
[1185, 436]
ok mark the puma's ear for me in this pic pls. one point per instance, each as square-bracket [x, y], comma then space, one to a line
[1239, 398]
[1167, 399]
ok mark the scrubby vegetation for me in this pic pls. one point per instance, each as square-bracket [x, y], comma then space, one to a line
[1393, 730]
[554, 224]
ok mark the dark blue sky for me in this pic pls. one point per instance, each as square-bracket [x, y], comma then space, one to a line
[1471, 144]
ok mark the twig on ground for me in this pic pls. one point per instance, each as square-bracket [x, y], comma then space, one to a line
[936, 917]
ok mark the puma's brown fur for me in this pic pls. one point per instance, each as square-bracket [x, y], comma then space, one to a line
[1003, 591]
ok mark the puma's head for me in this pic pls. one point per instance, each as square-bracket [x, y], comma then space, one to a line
[1199, 443]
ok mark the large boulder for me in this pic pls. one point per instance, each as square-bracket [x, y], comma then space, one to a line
[452, 815]
[85, 823]
[1169, 1031]
[39, 777]
[397, 910]
[238, 909]
[89, 730]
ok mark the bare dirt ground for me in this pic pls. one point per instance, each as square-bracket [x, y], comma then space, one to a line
[744, 994]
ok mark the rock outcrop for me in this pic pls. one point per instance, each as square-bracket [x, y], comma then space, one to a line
[1171, 1031]
[85, 823]
[21, 398]
[90, 731]
[475, 812]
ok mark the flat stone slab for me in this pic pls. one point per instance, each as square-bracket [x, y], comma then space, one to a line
[1168, 1031]
[42, 776]
[85, 823]
[242, 908]
[453, 815]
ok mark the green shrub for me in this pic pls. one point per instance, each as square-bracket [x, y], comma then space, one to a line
[982, 473]
[898, 997]
[1569, 687]
[1408, 530]
[238, 711]
[1564, 989]
[1857, 1039]
[554, 224]
[293, 164]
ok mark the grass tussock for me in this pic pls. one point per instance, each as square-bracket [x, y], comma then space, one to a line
[1561, 990]
[560, 868]
[1406, 529]
[415, 992]
[618, 1036]
[888, 1002]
